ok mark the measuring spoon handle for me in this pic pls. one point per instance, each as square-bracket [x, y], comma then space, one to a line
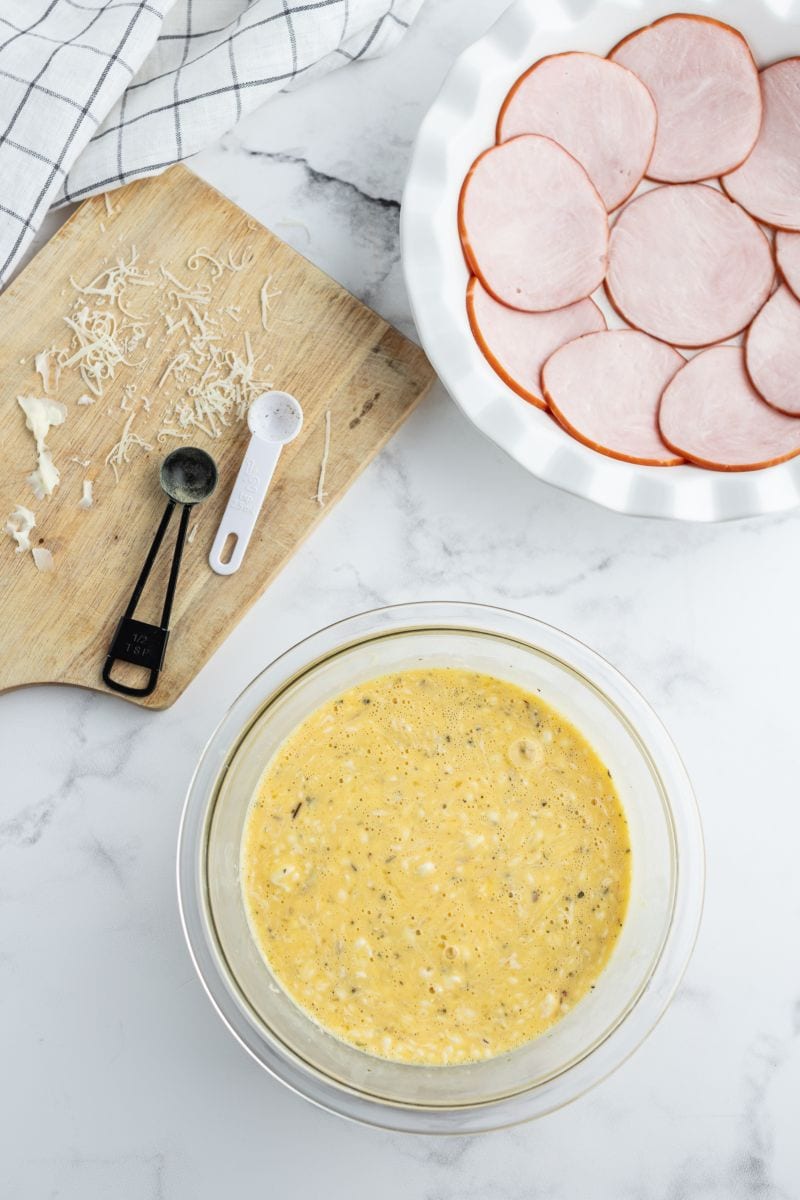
[244, 504]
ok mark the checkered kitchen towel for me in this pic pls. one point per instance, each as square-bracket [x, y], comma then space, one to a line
[94, 93]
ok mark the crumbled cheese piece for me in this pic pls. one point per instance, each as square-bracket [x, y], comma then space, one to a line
[192, 533]
[41, 415]
[87, 499]
[82, 462]
[265, 297]
[84, 399]
[108, 204]
[45, 479]
[326, 449]
[120, 453]
[47, 365]
[43, 558]
[19, 525]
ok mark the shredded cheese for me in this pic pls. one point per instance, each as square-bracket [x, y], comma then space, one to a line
[19, 525]
[247, 260]
[326, 449]
[265, 297]
[207, 384]
[221, 396]
[180, 292]
[112, 282]
[196, 260]
[120, 454]
[97, 348]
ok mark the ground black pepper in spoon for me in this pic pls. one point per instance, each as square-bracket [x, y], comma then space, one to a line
[188, 476]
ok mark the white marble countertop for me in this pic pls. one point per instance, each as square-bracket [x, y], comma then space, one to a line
[118, 1078]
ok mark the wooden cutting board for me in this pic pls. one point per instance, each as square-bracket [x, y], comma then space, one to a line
[321, 344]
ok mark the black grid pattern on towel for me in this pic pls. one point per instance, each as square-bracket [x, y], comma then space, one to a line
[94, 93]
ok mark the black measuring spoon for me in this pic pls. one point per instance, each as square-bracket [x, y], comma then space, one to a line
[188, 475]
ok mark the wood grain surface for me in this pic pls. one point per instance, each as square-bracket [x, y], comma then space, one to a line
[321, 344]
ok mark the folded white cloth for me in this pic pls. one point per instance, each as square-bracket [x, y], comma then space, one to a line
[94, 93]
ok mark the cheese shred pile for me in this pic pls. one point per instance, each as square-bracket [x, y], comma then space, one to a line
[209, 375]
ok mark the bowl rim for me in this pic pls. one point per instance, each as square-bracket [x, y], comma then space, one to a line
[435, 273]
[640, 1015]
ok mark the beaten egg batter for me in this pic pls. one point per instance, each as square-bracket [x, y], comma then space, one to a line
[436, 866]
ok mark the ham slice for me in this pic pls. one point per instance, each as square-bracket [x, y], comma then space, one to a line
[704, 81]
[517, 344]
[605, 389]
[688, 266]
[772, 352]
[711, 414]
[533, 228]
[787, 252]
[767, 183]
[598, 111]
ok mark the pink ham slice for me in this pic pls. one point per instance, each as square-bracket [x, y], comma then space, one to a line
[767, 183]
[704, 81]
[711, 414]
[605, 389]
[533, 228]
[598, 111]
[772, 352]
[787, 252]
[517, 344]
[688, 266]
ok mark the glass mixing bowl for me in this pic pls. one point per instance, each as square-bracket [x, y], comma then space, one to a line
[666, 889]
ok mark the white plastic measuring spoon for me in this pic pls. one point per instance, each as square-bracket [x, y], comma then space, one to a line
[273, 420]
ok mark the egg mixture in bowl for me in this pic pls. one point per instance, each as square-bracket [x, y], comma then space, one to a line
[436, 866]
[440, 868]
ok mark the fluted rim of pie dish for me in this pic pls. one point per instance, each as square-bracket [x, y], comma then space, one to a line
[643, 1010]
[459, 124]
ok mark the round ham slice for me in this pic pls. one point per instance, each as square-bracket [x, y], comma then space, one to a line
[704, 81]
[767, 183]
[605, 389]
[772, 352]
[688, 266]
[517, 344]
[787, 252]
[598, 111]
[711, 414]
[533, 228]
